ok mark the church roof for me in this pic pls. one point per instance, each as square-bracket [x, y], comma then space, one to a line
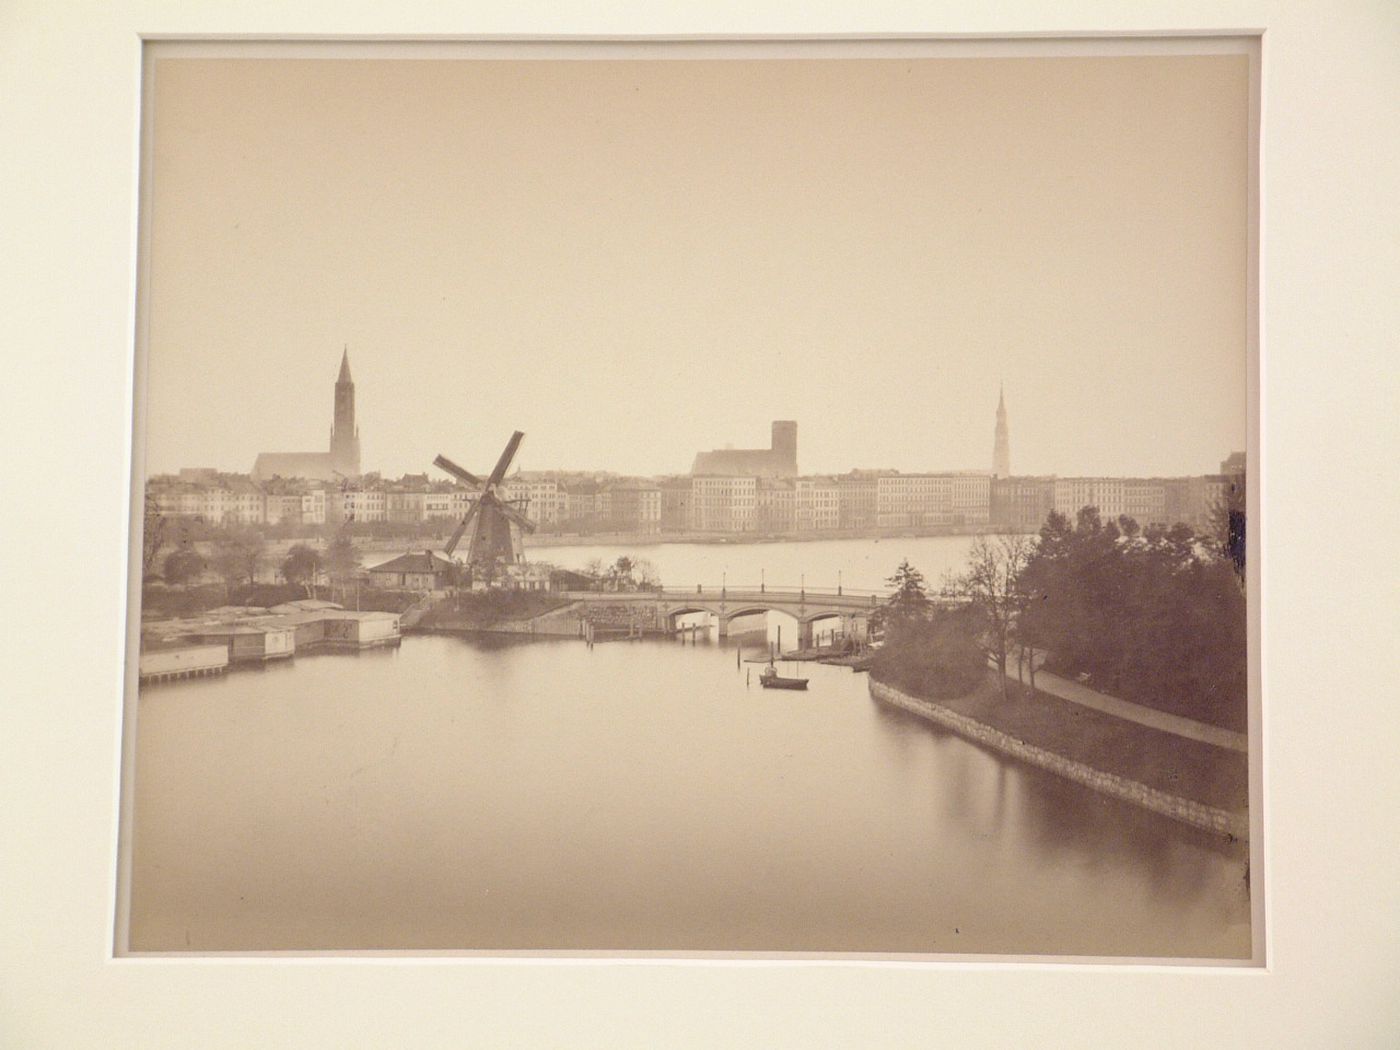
[344, 376]
[315, 466]
[744, 462]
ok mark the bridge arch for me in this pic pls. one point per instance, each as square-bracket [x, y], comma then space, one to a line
[675, 612]
[752, 609]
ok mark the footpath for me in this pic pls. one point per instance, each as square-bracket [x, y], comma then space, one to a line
[1188, 728]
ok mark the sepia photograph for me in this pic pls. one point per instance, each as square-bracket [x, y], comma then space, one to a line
[696, 499]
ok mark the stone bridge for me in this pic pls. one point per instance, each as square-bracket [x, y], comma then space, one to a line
[725, 604]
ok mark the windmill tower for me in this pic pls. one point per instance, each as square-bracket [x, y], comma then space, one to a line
[495, 523]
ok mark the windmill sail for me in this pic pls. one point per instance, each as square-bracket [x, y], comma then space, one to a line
[495, 537]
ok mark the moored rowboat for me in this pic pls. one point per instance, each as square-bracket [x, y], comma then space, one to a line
[770, 679]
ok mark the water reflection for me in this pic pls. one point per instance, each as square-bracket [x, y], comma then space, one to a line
[634, 795]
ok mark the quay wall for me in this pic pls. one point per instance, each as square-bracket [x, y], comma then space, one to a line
[564, 622]
[1211, 818]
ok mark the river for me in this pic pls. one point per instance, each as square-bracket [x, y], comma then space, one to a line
[645, 795]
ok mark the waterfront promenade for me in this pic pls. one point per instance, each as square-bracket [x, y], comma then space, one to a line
[1128, 711]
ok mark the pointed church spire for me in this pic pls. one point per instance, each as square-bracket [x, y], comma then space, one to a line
[344, 376]
[1001, 449]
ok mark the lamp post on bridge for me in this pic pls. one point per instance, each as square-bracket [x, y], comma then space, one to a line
[838, 583]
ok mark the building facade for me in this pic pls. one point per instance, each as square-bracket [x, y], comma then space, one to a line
[723, 504]
[1021, 504]
[775, 506]
[817, 504]
[931, 500]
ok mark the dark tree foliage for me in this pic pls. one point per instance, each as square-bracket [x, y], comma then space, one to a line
[992, 586]
[342, 558]
[238, 556]
[910, 598]
[935, 655]
[152, 535]
[1228, 525]
[301, 566]
[1150, 615]
[181, 566]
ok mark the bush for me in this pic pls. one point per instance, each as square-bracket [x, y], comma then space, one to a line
[934, 656]
[182, 566]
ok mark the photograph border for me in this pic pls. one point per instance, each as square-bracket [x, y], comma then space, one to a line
[1326, 79]
[544, 49]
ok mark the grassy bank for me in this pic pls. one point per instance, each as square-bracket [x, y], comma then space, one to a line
[1210, 775]
[483, 611]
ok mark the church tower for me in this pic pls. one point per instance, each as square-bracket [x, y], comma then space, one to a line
[345, 436]
[1001, 452]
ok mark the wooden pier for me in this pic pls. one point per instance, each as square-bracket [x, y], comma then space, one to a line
[175, 662]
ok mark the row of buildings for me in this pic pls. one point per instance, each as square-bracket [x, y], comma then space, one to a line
[727, 492]
[736, 504]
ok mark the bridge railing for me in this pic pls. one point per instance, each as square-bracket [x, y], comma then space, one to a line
[746, 592]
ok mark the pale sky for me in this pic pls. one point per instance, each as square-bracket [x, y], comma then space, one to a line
[635, 260]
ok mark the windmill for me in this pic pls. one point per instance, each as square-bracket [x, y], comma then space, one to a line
[489, 517]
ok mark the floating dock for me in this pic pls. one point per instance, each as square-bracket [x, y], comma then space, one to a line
[229, 636]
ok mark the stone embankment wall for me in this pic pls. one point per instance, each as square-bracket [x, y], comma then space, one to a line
[622, 615]
[1198, 814]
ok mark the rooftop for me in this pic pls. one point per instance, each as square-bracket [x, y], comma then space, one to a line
[420, 561]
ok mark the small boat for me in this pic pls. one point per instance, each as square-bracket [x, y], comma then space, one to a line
[771, 679]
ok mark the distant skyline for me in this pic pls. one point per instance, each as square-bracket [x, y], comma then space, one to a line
[634, 261]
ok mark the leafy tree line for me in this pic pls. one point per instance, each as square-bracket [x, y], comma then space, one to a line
[1152, 615]
[1156, 615]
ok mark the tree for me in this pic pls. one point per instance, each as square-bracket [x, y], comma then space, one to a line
[238, 556]
[910, 599]
[992, 584]
[647, 576]
[934, 655]
[1153, 615]
[181, 566]
[229, 566]
[251, 548]
[619, 574]
[1040, 579]
[301, 566]
[341, 560]
[152, 535]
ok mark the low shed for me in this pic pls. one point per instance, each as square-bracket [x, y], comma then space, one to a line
[423, 571]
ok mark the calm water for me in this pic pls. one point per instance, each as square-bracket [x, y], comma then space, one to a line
[819, 564]
[638, 795]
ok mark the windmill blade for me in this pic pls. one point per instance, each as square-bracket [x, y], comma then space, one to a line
[514, 515]
[503, 464]
[460, 529]
[457, 472]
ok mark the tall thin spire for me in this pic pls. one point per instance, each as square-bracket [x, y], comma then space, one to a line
[1001, 449]
[345, 435]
